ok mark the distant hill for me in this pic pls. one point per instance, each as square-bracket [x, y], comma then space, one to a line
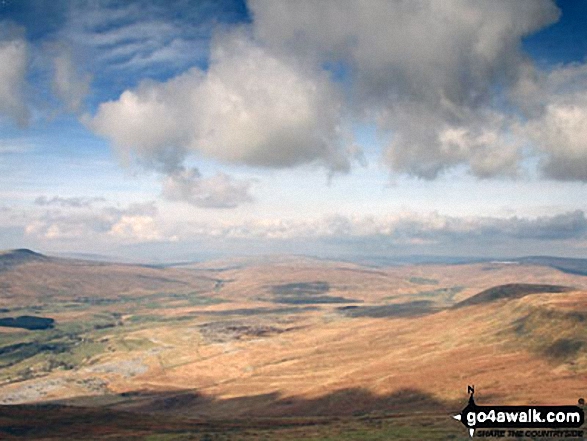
[16, 257]
[29, 278]
[511, 291]
[21, 253]
[564, 264]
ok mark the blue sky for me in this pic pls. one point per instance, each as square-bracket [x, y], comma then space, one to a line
[168, 130]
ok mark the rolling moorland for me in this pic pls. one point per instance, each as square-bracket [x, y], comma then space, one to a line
[281, 347]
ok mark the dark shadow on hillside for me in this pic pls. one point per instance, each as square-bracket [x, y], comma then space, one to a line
[564, 349]
[29, 322]
[300, 288]
[345, 402]
[143, 413]
[396, 310]
[305, 293]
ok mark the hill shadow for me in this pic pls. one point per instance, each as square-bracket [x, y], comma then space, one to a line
[396, 310]
[145, 413]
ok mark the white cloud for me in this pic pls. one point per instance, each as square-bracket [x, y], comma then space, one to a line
[69, 84]
[16, 146]
[426, 144]
[447, 79]
[151, 122]
[562, 132]
[75, 202]
[421, 68]
[13, 65]
[446, 53]
[219, 191]
[405, 228]
[248, 108]
[85, 222]
[555, 109]
[140, 228]
[102, 225]
[150, 38]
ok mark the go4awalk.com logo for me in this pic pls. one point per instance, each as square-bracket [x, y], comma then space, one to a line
[520, 421]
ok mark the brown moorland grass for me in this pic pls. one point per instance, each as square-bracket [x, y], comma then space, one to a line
[212, 343]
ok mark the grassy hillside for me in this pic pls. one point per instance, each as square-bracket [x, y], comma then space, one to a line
[254, 343]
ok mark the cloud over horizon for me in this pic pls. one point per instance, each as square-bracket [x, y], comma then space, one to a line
[427, 232]
[411, 227]
[246, 120]
[92, 219]
[76, 202]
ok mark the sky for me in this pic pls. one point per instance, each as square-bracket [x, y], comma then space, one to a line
[186, 130]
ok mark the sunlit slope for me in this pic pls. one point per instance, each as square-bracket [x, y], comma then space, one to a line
[526, 350]
[28, 278]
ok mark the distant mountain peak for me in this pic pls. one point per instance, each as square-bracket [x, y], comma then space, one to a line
[26, 252]
[20, 255]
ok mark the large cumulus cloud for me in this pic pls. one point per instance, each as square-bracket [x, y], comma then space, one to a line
[449, 81]
[249, 108]
[425, 70]
[444, 53]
